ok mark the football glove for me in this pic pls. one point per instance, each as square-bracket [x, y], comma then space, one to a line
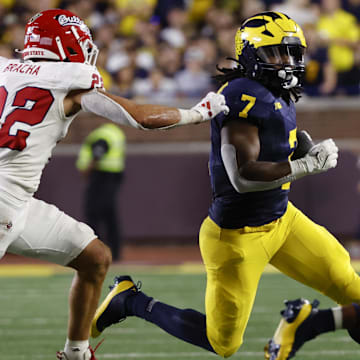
[320, 158]
[211, 105]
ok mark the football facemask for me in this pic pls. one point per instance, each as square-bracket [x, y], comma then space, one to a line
[287, 61]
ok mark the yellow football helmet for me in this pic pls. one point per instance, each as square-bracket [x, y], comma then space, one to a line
[270, 48]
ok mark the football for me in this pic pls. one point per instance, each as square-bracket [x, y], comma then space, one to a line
[304, 144]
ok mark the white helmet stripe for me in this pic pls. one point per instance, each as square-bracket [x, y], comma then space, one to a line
[76, 34]
[60, 47]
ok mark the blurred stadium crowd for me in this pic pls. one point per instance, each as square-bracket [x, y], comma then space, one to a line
[162, 50]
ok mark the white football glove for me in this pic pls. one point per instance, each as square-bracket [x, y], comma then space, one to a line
[320, 158]
[211, 105]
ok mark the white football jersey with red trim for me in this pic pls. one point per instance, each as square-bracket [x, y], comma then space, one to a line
[32, 117]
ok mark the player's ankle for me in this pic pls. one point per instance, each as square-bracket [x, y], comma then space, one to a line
[320, 322]
[357, 311]
[77, 350]
[352, 321]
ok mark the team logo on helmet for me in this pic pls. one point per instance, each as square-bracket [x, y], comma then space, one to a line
[69, 20]
[64, 20]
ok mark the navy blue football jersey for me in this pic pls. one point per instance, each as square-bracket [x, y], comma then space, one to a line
[251, 102]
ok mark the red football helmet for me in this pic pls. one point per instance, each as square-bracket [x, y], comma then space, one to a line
[59, 35]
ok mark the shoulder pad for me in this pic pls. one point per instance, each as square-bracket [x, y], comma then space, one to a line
[251, 87]
[74, 76]
[248, 100]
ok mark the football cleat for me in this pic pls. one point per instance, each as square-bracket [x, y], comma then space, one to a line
[292, 331]
[113, 308]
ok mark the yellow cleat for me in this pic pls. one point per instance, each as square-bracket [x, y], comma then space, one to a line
[292, 332]
[113, 308]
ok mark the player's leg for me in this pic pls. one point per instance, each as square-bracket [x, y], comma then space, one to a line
[51, 235]
[314, 257]
[234, 261]
[13, 214]
[125, 299]
[91, 267]
[234, 265]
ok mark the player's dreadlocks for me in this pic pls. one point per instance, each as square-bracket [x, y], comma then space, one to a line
[229, 74]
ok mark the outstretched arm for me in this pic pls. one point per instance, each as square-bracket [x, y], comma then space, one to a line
[127, 112]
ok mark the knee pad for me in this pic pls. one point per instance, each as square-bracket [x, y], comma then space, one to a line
[345, 290]
[225, 348]
[226, 352]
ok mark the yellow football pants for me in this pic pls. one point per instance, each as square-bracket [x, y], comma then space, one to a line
[235, 259]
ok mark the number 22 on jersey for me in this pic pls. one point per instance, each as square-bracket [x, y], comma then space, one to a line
[30, 107]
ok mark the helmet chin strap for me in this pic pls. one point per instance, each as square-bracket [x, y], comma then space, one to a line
[290, 79]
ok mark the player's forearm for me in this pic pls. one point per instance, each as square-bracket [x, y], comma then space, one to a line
[254, 176]
[156, 116]
[129, 113]
[149, 116]
[164, 117]
[264, 171]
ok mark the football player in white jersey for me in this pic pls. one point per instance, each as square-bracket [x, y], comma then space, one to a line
[39, 97]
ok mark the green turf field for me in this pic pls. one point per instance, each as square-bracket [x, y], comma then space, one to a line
[33, 317]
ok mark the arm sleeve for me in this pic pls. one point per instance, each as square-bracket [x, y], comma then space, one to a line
[100, 104]
[240, 184]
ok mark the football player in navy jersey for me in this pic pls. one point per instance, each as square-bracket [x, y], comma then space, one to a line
[251, 222]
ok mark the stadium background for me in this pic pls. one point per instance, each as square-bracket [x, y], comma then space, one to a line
[165, 52]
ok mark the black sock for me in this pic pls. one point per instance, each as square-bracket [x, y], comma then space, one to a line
[355, 331]
[186, 324]
[320, 322]
[324, 321]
